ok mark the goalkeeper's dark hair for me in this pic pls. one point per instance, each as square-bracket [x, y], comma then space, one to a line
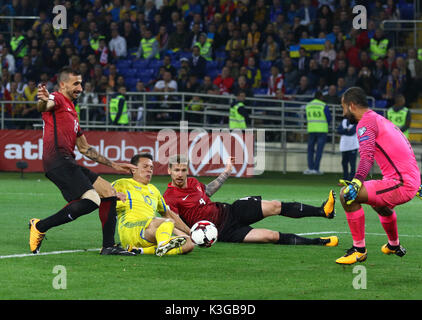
[136, 157]
[65, 72]
[357, 96]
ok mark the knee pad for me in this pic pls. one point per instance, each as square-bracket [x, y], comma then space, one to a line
[93, 196]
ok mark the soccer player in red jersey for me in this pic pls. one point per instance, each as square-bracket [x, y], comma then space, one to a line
[83, 189]
[190, 199]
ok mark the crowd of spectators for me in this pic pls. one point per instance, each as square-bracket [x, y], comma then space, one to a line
[206, 46]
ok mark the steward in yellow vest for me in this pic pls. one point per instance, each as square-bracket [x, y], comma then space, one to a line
[400, 115]
[18, 45]
[316, 116]
[205, 47]
[148, 47]
[378, 45]
[119, 114]
[238, 114]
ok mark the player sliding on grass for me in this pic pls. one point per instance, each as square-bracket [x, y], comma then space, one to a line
[382, 141]
[140, 230]
[83, 189]
[190, 199]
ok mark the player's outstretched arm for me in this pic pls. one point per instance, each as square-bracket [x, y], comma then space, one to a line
[216, 184]
[45, 101]
[89, 151]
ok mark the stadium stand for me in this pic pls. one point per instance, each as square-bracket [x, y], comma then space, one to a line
[291, 24]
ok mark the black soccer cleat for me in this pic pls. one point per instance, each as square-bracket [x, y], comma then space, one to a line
[116, 250]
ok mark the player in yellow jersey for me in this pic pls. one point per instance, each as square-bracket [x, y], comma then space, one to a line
[141, 230]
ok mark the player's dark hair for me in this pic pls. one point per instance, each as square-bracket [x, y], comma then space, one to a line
[357, 96]
[136, 157]
[66, 71]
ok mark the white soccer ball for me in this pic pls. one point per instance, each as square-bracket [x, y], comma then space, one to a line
[204, 233]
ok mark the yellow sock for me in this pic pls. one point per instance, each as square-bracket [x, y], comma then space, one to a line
[149, 250]
[174, 251]
[164, 232]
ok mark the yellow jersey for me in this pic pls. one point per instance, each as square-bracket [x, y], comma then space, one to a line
[142, 201]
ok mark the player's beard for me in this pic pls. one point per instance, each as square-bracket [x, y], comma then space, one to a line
[352, 119]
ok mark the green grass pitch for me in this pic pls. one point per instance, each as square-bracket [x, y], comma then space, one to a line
[222, 272]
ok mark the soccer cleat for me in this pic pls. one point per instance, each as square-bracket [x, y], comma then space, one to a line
[352, 256]
[116, 251]
[397, 250]
[331, 241]
[35, 237]
[329, 206]
[174, 242]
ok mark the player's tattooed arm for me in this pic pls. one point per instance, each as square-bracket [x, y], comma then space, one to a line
[216, 184]
[90, 152]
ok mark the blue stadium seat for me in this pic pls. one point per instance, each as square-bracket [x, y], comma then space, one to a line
[123, 63]
[260, 91]
[186, 55]
[130, 73]
[155, 64]
[380, 103]
[406, 11]
[265, 65]
[140, 64]
[212, 64]
[213, 73]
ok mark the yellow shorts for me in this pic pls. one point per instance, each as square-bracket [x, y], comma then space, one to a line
[132, 234]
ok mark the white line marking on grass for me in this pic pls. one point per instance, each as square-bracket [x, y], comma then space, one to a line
[23, 255]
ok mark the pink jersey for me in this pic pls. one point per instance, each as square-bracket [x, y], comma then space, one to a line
[382, 141]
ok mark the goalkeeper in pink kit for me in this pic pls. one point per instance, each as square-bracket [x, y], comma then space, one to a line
[379, 140]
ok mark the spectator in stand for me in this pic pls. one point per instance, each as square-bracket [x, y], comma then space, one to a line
[166, 85]
[138, 104]
[177, 39]
[341, 86]
[304, 87]
[87, 100]
[17, 108]
[117, 45]
[242, 85]
[254, 36]
[307, 14]
[314, 73]
[351, 77]
[415, 67]
[331, 97]
[224, 81]
[366, 80]
[192, 37]
[303, 62]
[291, 75]
[197, 63]
[379, 45]
[379, 71]
[340, 71]
[30, 110]
[393, 84]
[205, 47]
[328, 52]
[7, 60]
[162, 39]
[168, 66]
[352, 53]
[254, 74]
[270, 49]
[131, 36]
[275, 81]
[390, 60]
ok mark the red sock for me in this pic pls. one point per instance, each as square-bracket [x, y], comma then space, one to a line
[356, 221]
[390, 226]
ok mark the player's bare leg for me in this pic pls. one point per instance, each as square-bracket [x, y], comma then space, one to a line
[270, 236]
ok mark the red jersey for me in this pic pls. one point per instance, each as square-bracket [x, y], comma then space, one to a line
[61, 128]
[192, 204]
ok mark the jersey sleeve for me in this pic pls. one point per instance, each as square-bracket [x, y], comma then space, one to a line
[118, 185]
[170, 201]
[367, 133]
[161, 203]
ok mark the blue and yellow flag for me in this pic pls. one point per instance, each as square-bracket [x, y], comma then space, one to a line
[312, 44]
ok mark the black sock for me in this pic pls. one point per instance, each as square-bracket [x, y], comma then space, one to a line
[108, 217]
[300, 210]
[70, 212]
[294, 239]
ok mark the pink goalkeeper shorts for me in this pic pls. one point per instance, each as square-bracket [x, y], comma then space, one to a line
[388, 193]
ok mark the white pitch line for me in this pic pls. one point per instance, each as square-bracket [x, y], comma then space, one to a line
[23, 255]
